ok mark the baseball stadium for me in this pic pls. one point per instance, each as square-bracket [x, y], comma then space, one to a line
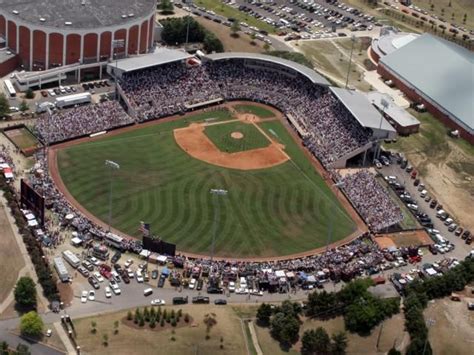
[227, 155]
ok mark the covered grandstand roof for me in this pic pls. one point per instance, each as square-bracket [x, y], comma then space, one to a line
[441, 71]
[360, 107]
[385, 103]
[308, 72]
[159, 57]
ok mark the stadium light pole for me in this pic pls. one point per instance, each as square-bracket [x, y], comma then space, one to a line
[350, 60]
[331, 219]
[217, 193]
[113, 166]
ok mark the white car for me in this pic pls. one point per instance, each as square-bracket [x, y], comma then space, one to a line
[94, 261]
[108, 292]
[49, 332]
[117, 291]
[14, 109]
[139, 278]
[130, 273]
[91, 296]
[84, 297]
[192, 284]
[256, 292]
[128, 263]
[98, 276]
[158, 302]
[231, 286]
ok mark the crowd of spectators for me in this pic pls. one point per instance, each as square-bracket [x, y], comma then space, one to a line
[80, 121]
[372, 200]
[168, 89]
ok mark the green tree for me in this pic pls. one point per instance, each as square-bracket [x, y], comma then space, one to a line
[252, 38]
[264, 313]
[25, 292]
[141, 322]
[3, 348]
[315, 341]
[166, 7]
[419, 346]
[31, 325]
[22, 349]
[93, 327]
[129, 315]
[23, 106]
[339, 343]
[29, 94]
[235, 28]
[464, 18]
[212, 43]
[285, 328]
[105, 339]
[210, 321]
[4, 106]
[394, 351]
[116, 327]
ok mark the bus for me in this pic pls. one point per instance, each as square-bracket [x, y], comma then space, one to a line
[10, 89]
[113, 240]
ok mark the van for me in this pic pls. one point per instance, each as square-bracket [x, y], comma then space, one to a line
[147, 292]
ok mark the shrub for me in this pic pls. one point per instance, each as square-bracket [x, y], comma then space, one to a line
[162, 322]
[186, 318]
[173, 322]
[129, 315]
[141, 322]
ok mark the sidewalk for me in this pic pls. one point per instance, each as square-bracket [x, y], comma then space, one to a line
[64, 338]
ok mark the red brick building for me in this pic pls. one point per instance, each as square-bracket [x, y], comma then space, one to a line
[50, 33]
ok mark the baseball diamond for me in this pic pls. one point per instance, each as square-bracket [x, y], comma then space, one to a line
[272, 211]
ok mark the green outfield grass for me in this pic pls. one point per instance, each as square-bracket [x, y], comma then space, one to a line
[259, 111]
[220, 135]
[278, 211]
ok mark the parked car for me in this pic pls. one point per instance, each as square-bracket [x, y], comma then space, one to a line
[458, 231]
[116, 257]
[200, 300]
[108, 292]
[84, 297]
[220, 302]
[83, 271]
[154, 274]
[93, 282]
[158, 302]
[91, 296]
[180, 300]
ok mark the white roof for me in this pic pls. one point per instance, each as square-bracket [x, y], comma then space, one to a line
[159, 57]
[360, 107]
[395, 112]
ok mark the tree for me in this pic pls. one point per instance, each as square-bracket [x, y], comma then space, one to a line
[4, 106]
[432, 7]
[212, 43]
[3, 348]
[94, 327]
[22, 349]
[29, 94]
[129, 315]
[209, 321]
[419, 346]
[264, 313]
[315, 341]
[116, 327]
[105, 339]
[394, 351]
[285, 328]
[339, 343]
[166, 7]
[25, 292]
[464, 18]
[24, 106]
[235, 28]
[31, 325]
[252, 39]
[449, 4]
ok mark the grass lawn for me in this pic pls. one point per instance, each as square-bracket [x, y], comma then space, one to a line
[268, 212]
[188, 339]
[458, 7]
[25, 139]
[409, 221]
[329, 60]
[231, 44]
[228, 11]
[220, 135]
[259, 111]
[10, 255]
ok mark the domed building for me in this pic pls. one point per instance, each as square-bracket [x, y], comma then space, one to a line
[389, 41]
[51, 33]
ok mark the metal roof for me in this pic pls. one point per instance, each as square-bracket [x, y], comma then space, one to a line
[93, 14]
[360, 107]
[441, 71]
[385, 103]
[159, 57]
[308, 72]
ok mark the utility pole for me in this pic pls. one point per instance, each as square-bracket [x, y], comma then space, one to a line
[113, 166]
[117, 43]
[350, 60]
[217, 193]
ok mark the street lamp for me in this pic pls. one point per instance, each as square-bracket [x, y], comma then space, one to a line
[113, 166]
[216, 192]
[350, 60]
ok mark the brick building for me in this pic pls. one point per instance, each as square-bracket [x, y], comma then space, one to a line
[50, 33]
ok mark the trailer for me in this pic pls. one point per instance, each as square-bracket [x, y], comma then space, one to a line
[71, 258]
[73, 100]
[61, 269]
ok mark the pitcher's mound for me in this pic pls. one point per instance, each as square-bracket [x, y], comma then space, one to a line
[237, 135]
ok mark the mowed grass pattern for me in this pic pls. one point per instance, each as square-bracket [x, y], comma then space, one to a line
[259, 111]
[269, 212]
[221, 136]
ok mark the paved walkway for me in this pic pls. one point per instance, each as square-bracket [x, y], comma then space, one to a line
[254, 338]
[64, 338]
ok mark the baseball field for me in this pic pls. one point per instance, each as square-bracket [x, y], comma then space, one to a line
[282, 208]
